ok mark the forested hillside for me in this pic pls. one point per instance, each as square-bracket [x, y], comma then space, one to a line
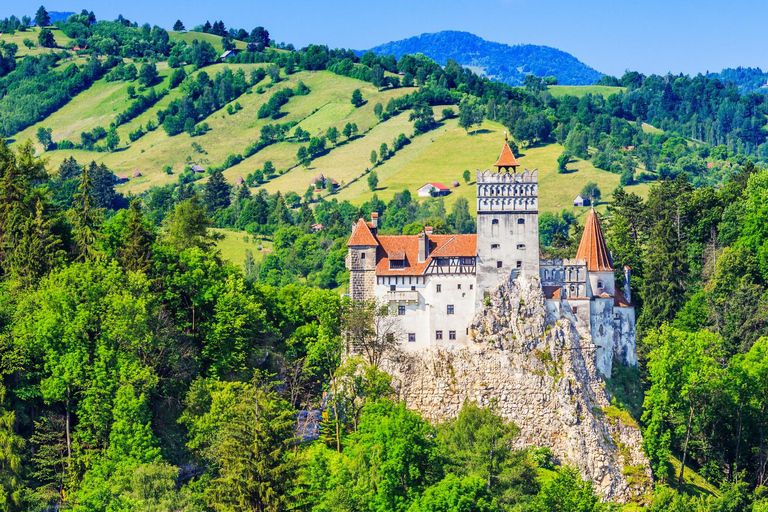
[508, 64]
[141, 370]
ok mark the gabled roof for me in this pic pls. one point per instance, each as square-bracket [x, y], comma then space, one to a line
[456, 246]
[506, 159]
[438, 186]
[362, 235]
[592, 247]
[620, 301]
[394, 247]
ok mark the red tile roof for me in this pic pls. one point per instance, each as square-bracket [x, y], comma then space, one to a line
[592, 247]
[620, 301]
[456, 246]
[362, 235]
[438, 186]
[396, 246]
[551, 292]
[506, 159]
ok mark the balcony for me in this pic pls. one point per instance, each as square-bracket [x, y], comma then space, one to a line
[403, 296]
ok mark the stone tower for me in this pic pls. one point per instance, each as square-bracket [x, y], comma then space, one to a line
[361, 259]
[507, 223]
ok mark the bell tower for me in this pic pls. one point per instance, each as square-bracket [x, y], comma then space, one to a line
[507, 223]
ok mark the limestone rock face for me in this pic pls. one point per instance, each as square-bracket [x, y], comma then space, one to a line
[541, 372]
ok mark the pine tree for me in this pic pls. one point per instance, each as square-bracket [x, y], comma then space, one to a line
[10, 458]
[87, 218]
[216, 193]
[37, 250]
[136, 256]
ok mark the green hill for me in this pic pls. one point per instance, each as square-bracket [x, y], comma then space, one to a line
[439, 155]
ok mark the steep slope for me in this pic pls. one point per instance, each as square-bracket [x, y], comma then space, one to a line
[498, 61]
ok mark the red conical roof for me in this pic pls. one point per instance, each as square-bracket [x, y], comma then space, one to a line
[362, 235]
[506, 159]
[592, 247]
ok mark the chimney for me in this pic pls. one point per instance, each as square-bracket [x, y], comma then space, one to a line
[375, 220]
[423, 245]
[428, 230]
[627, 276]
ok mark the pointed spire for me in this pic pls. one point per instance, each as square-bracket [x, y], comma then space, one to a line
[592, 247]
[507, 158]
[361, 235]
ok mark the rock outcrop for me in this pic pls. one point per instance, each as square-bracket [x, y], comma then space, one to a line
[541, 374]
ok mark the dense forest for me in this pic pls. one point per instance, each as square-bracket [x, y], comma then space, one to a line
[140, 371]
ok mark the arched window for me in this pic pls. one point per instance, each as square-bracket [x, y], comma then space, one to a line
[521, 221]
[495, 221]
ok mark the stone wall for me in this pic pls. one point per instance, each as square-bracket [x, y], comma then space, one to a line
[542, 373]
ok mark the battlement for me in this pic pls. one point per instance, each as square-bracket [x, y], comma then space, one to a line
[488, 176]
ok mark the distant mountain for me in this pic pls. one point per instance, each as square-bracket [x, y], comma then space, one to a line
[746, 79]
[497, 61]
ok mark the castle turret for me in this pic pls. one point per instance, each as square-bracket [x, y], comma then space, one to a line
[361, 260]
[507, 223]
[592, 248]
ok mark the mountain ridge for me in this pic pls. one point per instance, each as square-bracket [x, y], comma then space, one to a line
[498, 61]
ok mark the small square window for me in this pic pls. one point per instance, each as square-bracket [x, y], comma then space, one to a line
[450, 309]
[495, 221]
[459, 286]
[519, 264]
[451, 335]
[392, 287]
[411, 336]
[498, 264]
[413, 288]
[438, 335]
[575, 310]
[438, 288]
[521, 221]
[400, 310]
[362, 255]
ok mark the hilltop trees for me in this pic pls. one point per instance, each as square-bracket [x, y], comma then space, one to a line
[42, 19]
[178, 26]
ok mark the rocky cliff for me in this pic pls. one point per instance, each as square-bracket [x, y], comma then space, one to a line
[541, 372]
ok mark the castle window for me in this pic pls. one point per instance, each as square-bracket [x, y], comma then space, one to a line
[450, 309]
[601, 330]
[471, 286]
[521, 246]
[521, 221]
[459, 286]
[495, 221]
[396, 264]
[411, 336]
[438, 288]
[519, 264]
[362, 255]
[494, 246]
[575, 310]
[438, 335]
[451, 335]
[401, 310]
[498, 264]
[392, 287]
[413, 288]
[599, 284]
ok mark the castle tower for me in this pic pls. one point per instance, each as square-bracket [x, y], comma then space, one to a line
[592, 248]
[361, 259]
[507, 223]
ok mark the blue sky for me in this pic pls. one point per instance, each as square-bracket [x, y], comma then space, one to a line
[651, 36]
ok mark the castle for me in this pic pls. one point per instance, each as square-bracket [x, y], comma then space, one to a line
[438, 283]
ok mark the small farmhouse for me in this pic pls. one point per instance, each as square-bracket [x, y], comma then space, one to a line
[438, 188]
